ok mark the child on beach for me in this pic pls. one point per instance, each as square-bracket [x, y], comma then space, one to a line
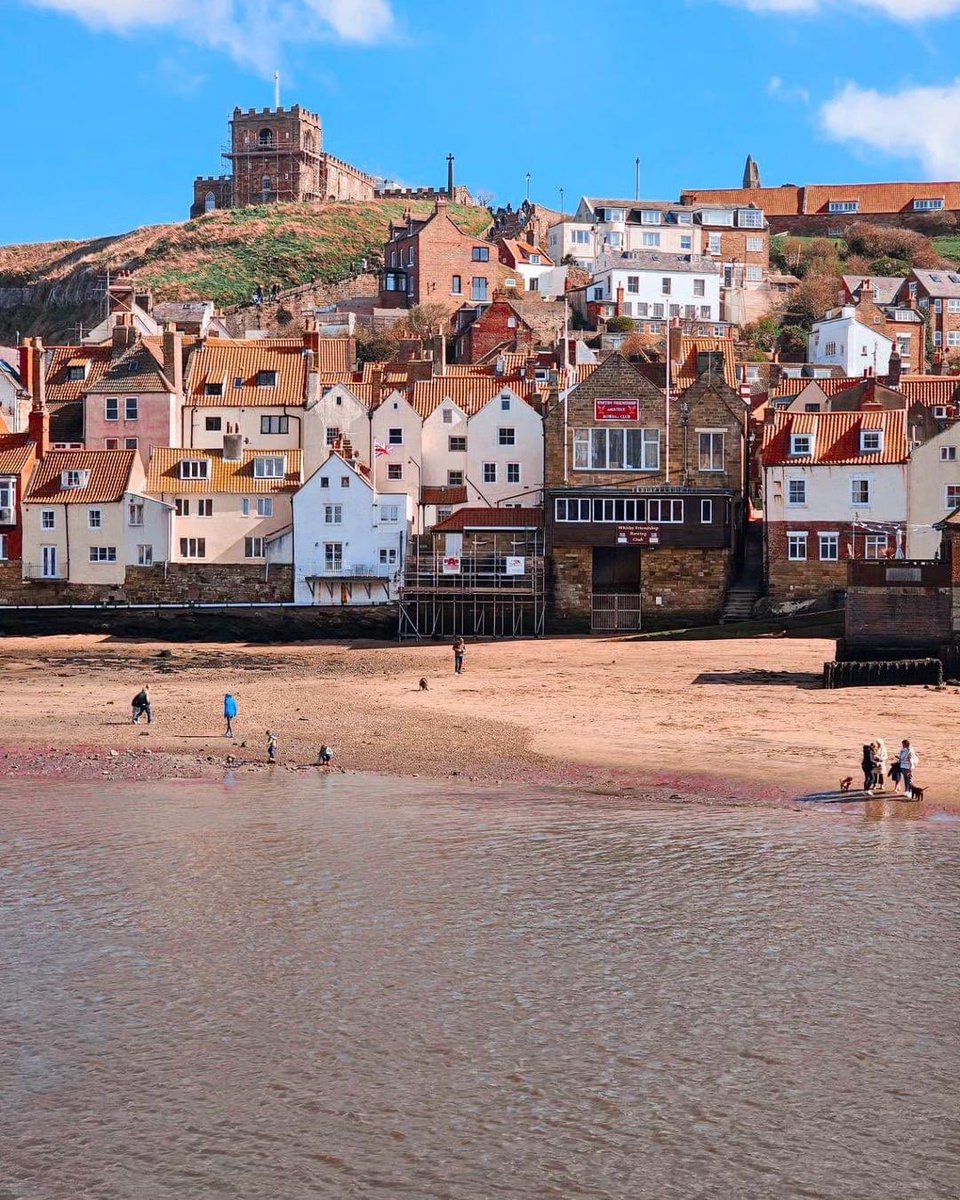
[324, 754]
[459, 650]
[229, 713]
[141, 706]
[272, 745]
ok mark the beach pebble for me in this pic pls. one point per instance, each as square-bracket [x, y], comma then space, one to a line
[114, 753]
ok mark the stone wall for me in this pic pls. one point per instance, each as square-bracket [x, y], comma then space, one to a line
[897, 617]
[809, 579]
[178, 583]
[263, 625]
[691, 585]
[287, 316]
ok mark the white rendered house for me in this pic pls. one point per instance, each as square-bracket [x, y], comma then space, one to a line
[840, 339]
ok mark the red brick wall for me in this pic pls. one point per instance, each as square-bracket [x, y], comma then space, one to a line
[493, 329]
[788, 580]
[441, 251]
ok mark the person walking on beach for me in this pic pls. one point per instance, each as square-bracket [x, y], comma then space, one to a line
[141, 706]
[324, 754]
[909, 761]
[869, 766]
[459, 650]
[229, 713]
[272, 745]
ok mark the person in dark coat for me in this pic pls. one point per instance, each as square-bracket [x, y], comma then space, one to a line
[141, 706]
[869, 764]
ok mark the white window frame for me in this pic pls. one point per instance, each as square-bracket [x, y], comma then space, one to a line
[831, 540]
[131, 408]
[513, 473]
[506, 436]
[94, 518]
[333, 514]
[947, 488]
[712, 434]
[797, 540]
[253, 547]
[48, 518]
[706, 512]
[796, 439]
[145, 555]
[269, 468]
[194, 468]
[796, 498]
[871, 441]
[489, 472]
[102, 554]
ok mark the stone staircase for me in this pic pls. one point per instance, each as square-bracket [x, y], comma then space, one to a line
[746, 589]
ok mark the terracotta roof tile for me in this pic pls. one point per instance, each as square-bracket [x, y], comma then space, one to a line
[491, 518]
[136, 369]
[443, 495]
[109, 477]
[469, 393]
[223, 362]
[690, 347]
[163, 475]
[837, 438]
[60, 388]
[16, 451]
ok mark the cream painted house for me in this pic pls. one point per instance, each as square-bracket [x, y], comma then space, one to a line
[86, 518]
[226, 502]
[933, 489]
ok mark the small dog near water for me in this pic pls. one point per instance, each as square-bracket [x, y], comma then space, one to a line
[846, 784]
[916, 793]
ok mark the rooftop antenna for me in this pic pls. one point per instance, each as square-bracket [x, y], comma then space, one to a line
[276, 89]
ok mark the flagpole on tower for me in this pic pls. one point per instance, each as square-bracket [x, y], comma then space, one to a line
[276, 89]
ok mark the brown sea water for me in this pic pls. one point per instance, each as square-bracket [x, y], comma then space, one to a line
[345, 987]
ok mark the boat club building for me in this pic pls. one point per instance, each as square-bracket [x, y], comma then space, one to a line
[643, 498]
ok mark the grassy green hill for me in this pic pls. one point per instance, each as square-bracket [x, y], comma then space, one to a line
[46, 287]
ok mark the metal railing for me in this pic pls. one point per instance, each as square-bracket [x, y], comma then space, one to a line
[37, 573]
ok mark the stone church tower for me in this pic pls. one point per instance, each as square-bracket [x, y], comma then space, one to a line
[276, 155]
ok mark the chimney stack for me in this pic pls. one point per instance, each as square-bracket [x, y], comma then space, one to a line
[124, 333]
[894, 370]
[33, 369]
[173, 357]
[620, 295]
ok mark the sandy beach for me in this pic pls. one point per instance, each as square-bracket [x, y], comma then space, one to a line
[727, 721]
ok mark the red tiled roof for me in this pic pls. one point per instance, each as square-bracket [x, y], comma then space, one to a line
[109, 477]
[60, 389]
[443, 495]
[16, 451]
[690, 347]
[224, 362]
[469, 392]
[836, 438]
[163, 474]
[930, 389]
[491, 518]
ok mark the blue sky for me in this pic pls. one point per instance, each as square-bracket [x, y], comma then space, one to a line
[115, 105]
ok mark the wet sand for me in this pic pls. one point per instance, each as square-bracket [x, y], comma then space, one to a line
[730, 721]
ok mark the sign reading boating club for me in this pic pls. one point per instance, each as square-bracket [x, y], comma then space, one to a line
[616, 410]
[638, 535]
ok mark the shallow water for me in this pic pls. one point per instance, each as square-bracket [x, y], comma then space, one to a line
[342, 987]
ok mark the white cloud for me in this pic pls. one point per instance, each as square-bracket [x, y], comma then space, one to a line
[920, 123]
[897, 10]
[252, 31]
[782, 91]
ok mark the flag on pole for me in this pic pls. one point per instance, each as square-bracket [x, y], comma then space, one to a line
[380, 450]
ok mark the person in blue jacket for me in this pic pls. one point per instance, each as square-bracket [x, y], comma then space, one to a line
[229, 712]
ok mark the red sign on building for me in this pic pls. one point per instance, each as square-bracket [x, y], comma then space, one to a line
[638, 535]
[616, 410]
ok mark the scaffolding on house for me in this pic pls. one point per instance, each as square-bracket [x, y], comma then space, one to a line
[496, 587]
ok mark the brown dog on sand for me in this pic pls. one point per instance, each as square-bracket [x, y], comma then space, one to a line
[846, 784]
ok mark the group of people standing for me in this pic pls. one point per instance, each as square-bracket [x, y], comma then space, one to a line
[899, 770]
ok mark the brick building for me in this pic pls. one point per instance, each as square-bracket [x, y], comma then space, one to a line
[277, 156]
[831, 208]
[835, 489]
[644, 505]
[433, 261]
[937, 293]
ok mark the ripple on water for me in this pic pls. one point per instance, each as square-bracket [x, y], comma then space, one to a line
[348, 987]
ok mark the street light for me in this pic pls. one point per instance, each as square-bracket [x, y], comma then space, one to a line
[528, 185]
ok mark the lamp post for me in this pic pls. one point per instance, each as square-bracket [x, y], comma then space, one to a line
[528, 185]
[561, 200]
[685, 420]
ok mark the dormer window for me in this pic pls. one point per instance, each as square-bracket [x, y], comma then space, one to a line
[213, 389]
[535, 260]
[801, 445]
[649, 217]
[77, 372]
[267, 379]
[871, 441]
[74, 479]
[843, 206]
[269, 468]
[928, 205]
[195, 468]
